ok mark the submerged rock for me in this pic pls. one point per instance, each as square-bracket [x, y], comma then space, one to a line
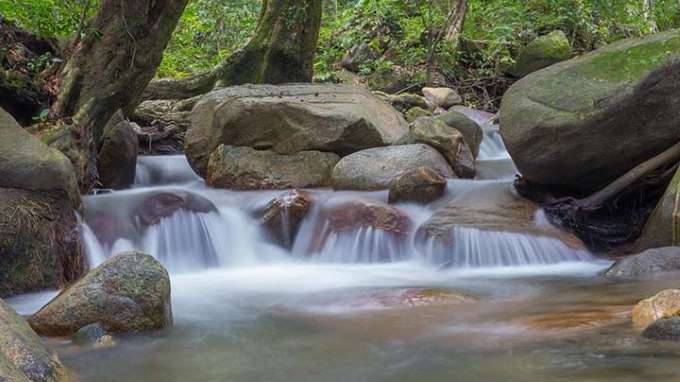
[117, 157]
[423, 185]
[244, 168]
[415, 297]
[541, 53]
[442, 97]
[665, 304]
[662, 228]
[580, 124]
[22, 355]
[129, 292]
[663, 330]
[291, 118]
[283, 215]
[445, 139]
[375, 169]
[647, 264]
[40, 244]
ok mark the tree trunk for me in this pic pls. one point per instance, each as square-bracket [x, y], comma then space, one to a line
[109, 70]
[456, 21]
[281, 51]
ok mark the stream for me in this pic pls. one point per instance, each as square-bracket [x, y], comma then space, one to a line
[247, 310]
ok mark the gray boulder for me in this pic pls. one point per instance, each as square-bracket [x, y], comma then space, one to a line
[23, 357]
[291, 118]
[129, 292]
[580, 124]
[663, 330]
[375, 169]
[117, 157]
[647, 264]
[244, 168]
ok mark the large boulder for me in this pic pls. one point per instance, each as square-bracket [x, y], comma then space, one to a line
[244, 168]
[28, 164]
[375, 169]
[665, 304]
[282, 216]
[447, 140]
[40, 246]
[291, 118]
[494, 209]
[117, 157]
[542, 52]
[580, 124]
[129, 292]
[662, 228]
[422, 186]
[23, 357]
[647, 264]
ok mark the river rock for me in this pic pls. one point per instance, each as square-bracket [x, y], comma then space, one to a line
[40, 245]
[647, 264]
[375, 169]
[291, 118]
[405, 101]
[244, 168]
[663, 330]
[447, 140]
[416, 112]
[472, 132]
[542, 52]
[130, 292]
[580, 124]
[158, 205]
[23, 355]
[117, 157]
[442, 97]
[28, 164]
[282, 216]
[662, 228]
[414, 297]
[422, 186]
[665, 304]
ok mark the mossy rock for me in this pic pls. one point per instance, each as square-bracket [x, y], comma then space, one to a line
[471, 131]
[129, 292]
[416, 112]
[541, 53]
[23, 357]
[40, 246]
[580, 124]
[389, 80]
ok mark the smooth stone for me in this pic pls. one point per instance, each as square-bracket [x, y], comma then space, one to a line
[665, 304]
[422, 186]
[646, 264]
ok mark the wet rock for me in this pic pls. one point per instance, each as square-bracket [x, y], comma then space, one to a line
[93, 335]
[647, 264]
[416, 112]
[389, 80]
[442, 97]
[244, 168]
[291, 118]
[28, 164]
[361, 213]
[415, 297]
[445, 139]
[375, 169]
[472, 132]
[576, 320]
[580, 124]
[665, 304]
[661, 229]
[663, 330]
[129, 292]
[160, 205]
[40, 244]
[541, 53]
[23, 355]
[282, 216]
[423, 185]
[357, 56]
[117, 157]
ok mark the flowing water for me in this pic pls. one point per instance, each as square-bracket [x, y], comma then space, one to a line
[246, 309]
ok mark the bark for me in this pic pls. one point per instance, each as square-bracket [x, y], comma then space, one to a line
[456, 22]
[282, 51]
[108, 70]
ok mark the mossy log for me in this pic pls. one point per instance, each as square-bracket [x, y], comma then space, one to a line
[109, 70]
[282, 51]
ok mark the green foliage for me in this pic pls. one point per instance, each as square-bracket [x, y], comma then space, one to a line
[59, 18]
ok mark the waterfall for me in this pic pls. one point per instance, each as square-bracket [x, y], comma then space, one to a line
[171, 214]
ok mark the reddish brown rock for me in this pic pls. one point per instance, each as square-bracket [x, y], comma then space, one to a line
[422, 185]
[282, 216]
